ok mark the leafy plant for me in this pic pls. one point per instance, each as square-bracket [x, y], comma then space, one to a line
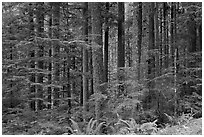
[128, 126]
[149, 127]
[91, 129]
[184, 118]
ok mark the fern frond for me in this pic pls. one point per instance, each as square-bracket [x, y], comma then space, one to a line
[76, 127]
[98, 128]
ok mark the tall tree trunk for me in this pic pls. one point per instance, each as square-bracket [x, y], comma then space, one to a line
[91, 71]
[192, 33]
[121, 45]
[172, 31]
[11, 82]
[151, 60]
[68, 88]
[32, 54]
[157, 42]
[128, 48]
[165, 12]
[200, 37]
[139, 42]
[97, 54]
[31, 21]
[161, 43]
[85, 57]
[91, 90]
[50, 63]
[74, 68]
[40, 30]
[176, 57]
[56, 48]
[121, 35]
[106, 43]
[81, 92]
[167, 36]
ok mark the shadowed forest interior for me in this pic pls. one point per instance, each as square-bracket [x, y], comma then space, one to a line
[101, 68]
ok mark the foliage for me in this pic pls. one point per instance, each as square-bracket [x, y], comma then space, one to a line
[193, 127]
[92, 128]
[131, 127]
[127, 126]
[149, 128]
[127, 111]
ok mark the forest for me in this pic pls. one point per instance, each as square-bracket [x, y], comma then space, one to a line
[101, 68]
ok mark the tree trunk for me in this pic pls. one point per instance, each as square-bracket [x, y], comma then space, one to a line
[106, 43]
[56, 48]
[139, 42]
[200, 37]
[68, 81]
[121, 36]
[50, 63]
[32, 54]
[165, 34]
[74, 68]
[192, 34]
[97, 54]
[121, 46]
[40, 30]
[175, 35]
[91, 92]
[161, 43]
[128, 48]
[91, 71]
[157, 41]
[85, 58]
[151, 60]
[172, 32]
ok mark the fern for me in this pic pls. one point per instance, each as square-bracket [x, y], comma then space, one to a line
[127, 126]
[76, 129]
[91, 129]
[149, 127]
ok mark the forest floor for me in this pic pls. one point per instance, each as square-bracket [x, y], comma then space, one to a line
[193, 127]
[56, 124]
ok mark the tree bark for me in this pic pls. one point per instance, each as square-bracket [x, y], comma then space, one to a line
[139, 42]
[50, 65]
[91, 71]
[121, 36]
[157, 41]
[32, 54]
[40, 30]
[97, 54]
[128, 48]
[121, 46]
[192, 34]
[56, 48]
[165, 34]
[106, 44]
[200, 37]
[151, 60]
[172, 32]
[161, 43]
[85, 57]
